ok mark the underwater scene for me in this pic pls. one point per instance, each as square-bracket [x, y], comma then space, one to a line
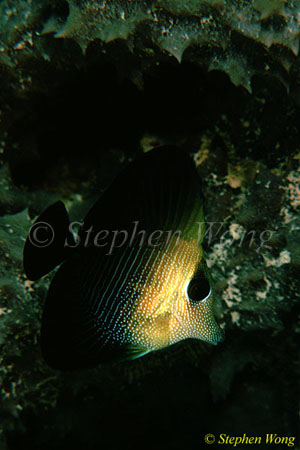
[149, 224]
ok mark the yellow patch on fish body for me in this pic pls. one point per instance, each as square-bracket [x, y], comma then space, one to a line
[163, 313]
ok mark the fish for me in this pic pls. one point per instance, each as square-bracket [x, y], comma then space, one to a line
[134, 280]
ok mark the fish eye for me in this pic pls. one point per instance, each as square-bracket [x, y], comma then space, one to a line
[198, 289]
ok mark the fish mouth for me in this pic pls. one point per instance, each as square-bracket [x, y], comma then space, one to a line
[214, 338]
[217, 338]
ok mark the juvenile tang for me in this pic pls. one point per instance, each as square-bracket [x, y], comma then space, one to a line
[114, 298]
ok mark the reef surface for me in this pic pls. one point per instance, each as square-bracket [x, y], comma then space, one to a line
[241, 38]
[86, 86]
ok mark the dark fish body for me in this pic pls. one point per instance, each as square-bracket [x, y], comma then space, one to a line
[140, 282]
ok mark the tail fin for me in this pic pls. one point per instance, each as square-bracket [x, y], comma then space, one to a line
[45, 244]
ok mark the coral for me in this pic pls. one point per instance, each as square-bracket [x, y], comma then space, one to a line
[221, 35]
